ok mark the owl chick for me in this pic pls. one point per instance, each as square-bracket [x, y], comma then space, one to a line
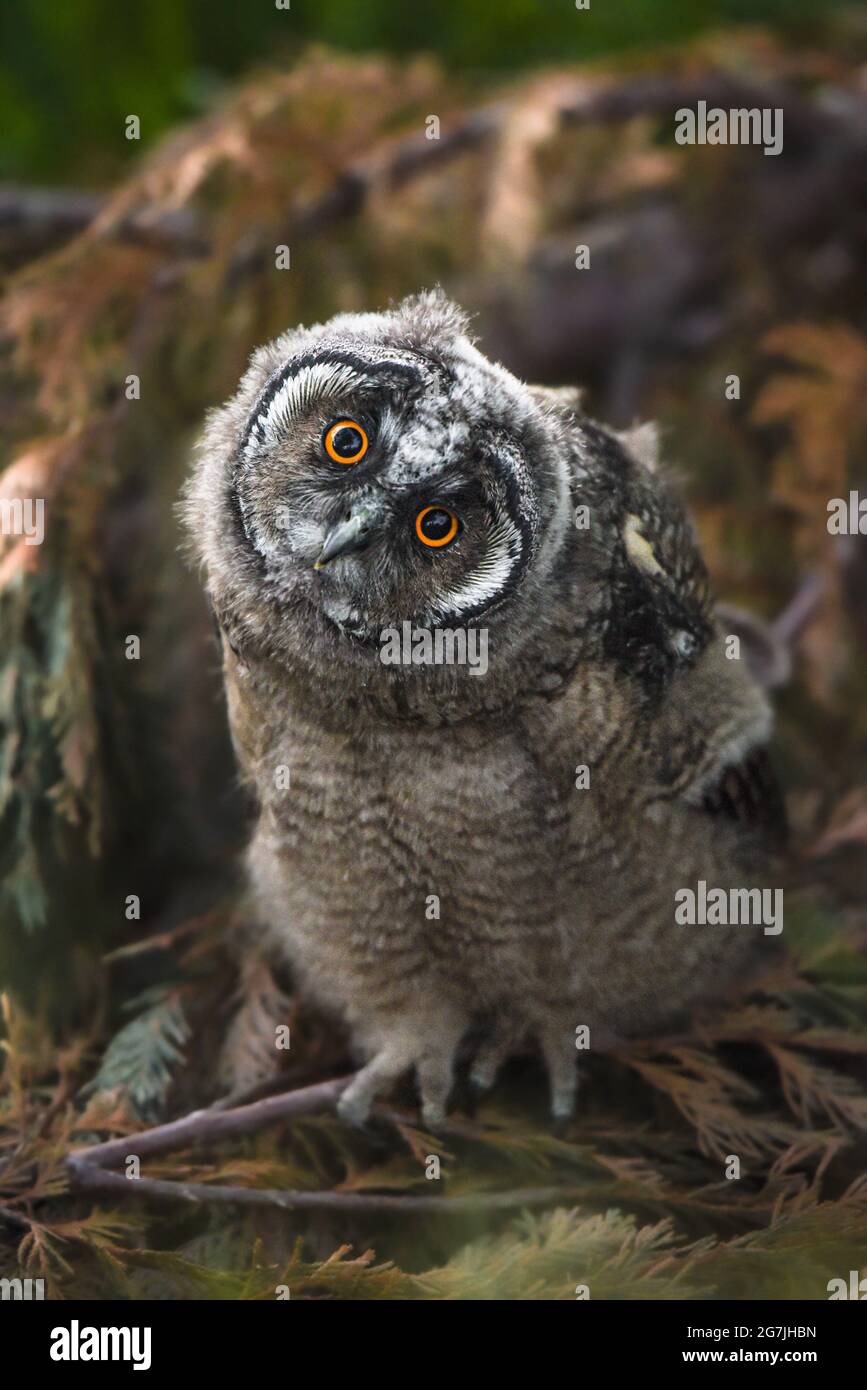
[443, 851]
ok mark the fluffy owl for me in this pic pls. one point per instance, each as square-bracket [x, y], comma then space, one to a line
[444, 852]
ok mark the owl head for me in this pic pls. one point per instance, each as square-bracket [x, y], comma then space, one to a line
[378, 470]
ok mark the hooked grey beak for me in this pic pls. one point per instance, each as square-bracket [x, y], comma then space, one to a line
[351, 535]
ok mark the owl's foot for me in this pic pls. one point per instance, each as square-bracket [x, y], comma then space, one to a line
[435, 1074]
[558, 1049]
[433, 1117]
[354, 1112]
[492, 1054]
[385, 1067]
[431, 1051]
[483, 1072]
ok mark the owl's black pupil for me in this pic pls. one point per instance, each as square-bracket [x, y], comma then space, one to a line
[436, 524]
[347, 441]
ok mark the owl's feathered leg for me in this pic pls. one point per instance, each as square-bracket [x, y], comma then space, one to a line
[435, 1075]
[383, 1068]
[435, 1065]
[493, 1053]
[557, 1042]
[430, 1046]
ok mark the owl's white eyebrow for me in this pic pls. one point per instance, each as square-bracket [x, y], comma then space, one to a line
[317, 382]
[319, 377]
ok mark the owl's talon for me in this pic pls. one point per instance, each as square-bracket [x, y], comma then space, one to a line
[353, 1110]
[490, 1058]
[479, 1083]
[433, 1117]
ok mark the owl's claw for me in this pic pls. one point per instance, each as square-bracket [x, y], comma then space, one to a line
[433, 1067]
[491, 1056]
[353, 1110]
[563, 1094]
[558, 1052]
[433, 1117]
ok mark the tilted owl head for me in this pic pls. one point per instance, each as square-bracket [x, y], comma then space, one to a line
[377, 470]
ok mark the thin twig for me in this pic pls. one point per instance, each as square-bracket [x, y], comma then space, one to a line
[208, 1126]
[97, 1179]
[800, 609]
[14, 1218]
[92, 1169]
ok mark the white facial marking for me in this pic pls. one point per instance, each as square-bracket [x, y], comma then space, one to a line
[318, 382]
[489, 576]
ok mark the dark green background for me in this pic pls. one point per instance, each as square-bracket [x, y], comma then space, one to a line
[71, 70]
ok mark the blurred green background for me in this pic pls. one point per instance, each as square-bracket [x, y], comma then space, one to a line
[71, 72]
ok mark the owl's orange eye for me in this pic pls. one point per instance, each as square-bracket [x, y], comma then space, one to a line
[436, 526]
[345, 441]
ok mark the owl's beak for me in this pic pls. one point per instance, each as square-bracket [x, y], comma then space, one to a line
[351, 535]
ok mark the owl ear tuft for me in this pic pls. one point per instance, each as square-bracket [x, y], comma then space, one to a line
[423, 319]
[642, 444]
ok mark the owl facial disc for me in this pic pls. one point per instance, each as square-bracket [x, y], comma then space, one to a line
[383, 484]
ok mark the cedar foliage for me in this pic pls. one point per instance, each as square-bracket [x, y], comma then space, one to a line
[115, 775]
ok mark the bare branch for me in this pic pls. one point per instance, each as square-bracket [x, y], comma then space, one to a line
[91, 1169]
[95, 1179]
[209, 1126]
[800, 609]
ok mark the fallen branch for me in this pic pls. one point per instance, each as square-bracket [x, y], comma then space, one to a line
[115, 1184]
[93, 1169]
[800, 610]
